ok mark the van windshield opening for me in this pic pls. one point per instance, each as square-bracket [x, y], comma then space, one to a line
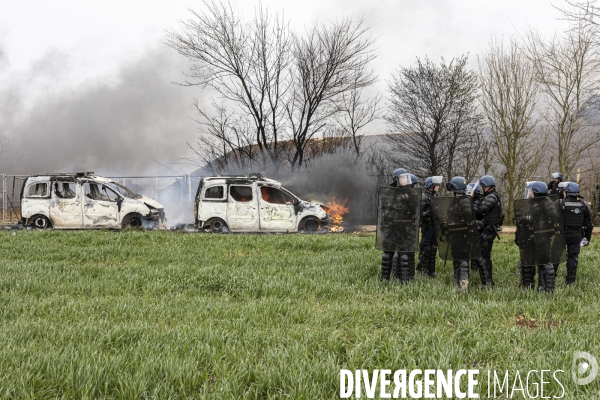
[122, 190]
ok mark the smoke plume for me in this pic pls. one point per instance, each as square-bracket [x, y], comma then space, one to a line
[113, 126]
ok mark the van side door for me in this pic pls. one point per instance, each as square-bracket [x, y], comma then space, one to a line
[100, 208]
[242, 208]
[277, 212]
[65, 205]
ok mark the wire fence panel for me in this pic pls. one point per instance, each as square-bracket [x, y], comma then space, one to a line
[175, 193]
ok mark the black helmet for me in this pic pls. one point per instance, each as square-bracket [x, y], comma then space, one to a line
[458, 184]
[414, 181]
[572, 189]
[487, 180]
[557, 175]
[538, 188]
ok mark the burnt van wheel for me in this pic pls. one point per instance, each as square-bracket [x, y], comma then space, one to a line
[40, 222]
[217, 225]
[311, 225]
[135, 222]
[132, 221]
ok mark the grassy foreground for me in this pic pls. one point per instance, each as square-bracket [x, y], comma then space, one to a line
[168, 315]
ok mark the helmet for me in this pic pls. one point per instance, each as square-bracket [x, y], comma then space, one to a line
[458, 184]
[401, 172]
[561, 187]
[432, 181]
[572, 189]
[487, 180]
[470, 188]
[557, 175]
[538, 188]
[414, 181]
[397, 172]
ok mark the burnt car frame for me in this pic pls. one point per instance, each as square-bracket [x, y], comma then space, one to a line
[85, 201]
[253, 204]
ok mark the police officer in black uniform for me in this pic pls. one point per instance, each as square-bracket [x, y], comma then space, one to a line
[414, 181]
[477, 199]
[557, 178]
[428, 246]
[489, 217]
[577, 222]
[546, 273]
[458, 186]
[389, 259]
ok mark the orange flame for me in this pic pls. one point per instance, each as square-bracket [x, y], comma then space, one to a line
[336, 212]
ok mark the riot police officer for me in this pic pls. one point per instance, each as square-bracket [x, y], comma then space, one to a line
[489, 217]
[392, 262]
[577, 222]
[458, 186]
[557, 178]
[474, 190]
[414, 181]
[536, 216]
[428, 246]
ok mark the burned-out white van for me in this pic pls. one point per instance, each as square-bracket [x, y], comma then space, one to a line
[83, 200]
[253, 204]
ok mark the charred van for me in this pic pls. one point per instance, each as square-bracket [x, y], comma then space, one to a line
[253, 204]
[83, 200]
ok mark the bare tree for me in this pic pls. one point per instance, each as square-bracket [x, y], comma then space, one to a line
[434, 117]
[566, 68]
[509, 99]
[226, 143]
[247, 63]
[581, 12]
[355, 113]
[329, 61]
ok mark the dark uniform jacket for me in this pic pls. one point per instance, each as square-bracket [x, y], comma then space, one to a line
[577, 215]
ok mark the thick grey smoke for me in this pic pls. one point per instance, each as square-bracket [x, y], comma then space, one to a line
[338, 176]
[114, 126]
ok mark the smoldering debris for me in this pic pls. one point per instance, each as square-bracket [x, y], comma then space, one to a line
[338, 175]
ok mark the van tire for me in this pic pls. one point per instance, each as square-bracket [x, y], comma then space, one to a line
[310, 225]
[40, 222]
[132, 221]
[216, 225]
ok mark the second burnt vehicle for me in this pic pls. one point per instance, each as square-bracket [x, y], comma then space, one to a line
[83, 200]
[254, 204]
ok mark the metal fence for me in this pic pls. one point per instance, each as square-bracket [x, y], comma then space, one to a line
[175, 193]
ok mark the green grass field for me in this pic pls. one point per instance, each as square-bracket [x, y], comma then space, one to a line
[131, 315]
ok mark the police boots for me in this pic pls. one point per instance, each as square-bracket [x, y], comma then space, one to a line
[461, 274]
[549, 277]
[432, 253]
[423, 259]
[542, 277]
[403, 267]
[527, 276]
[485, 273]
[386, 265]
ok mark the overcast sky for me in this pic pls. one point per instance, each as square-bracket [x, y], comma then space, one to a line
[87, 84]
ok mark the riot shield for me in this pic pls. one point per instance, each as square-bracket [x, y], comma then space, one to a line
[455, 228]
[398, 219]
[540, 230]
